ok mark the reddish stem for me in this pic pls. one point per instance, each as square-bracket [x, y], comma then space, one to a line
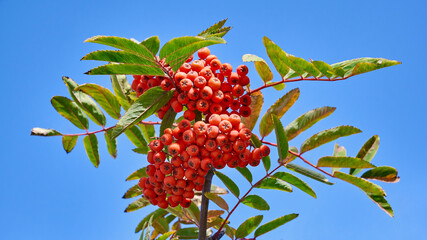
[297, 80]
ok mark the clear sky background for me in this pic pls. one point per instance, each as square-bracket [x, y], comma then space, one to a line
[47, 194]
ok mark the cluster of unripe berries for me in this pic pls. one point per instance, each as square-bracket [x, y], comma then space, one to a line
[175, 173]
[205, 85]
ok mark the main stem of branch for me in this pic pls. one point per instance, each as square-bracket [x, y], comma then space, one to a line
[203, 224]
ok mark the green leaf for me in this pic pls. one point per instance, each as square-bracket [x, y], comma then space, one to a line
[307, 120]
[194, 212]
[215, 213]
[248, 226]
[279, 108]
[161, 225]
[327, 136]
[148, 131]
[343, 162]
[135, 136]
[217, 200]
[111, 143]
[265, 160]
[103, 97]
[133, 192]
[123, 44]
[382, 203]
[261, 67]
[275, 53]
[267, 227]
[91, 146]
[148, 230]
[85, 102]
[156, 214]
[137, 174]
[143, 150]
[324, 68]
[282, 142]
[366, 186]
[167, 120]
[69, 142]
[187, 233]
[275, 184]
[309, 173]
[367, 152]
[383, 173]
[216, 30]
[257, 100]
[290, 157]
[234, 189]
[245, 173]
[338, 152]
[362, 65]
[152, 44]
[177, 50]
[45, 132]
[147, 104]
[119, 57]
[138, 204]
[255, 201]
[287, 177]
[127, 69]
[122, 90]
[165, 236]
[70, 111]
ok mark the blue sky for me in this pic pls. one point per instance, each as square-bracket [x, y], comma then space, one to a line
[47, 194]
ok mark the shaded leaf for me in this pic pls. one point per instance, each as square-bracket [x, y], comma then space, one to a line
[234, 189]
[91, 146]
[103, 97]
[248, 226]
[119, 57]
[366, 186]
[257, 100]
[327, 136]
[265, 160]
[217, 200]
[44, 132]
[147, 104]
[282, 142]
[70, 111]
[267, 227]
[307, 120]
[275, 184]
[133, 192]
[126, 69]
[187, 233]
[367, 152]
[161, 225]
[287, 177]
[69, 142]
[215, 213]
[309, 173]
[152, 44]
[137, 174]
[122, 90]
[111, 143]
[245, 173]
[383, 173]
[148, 131]
[177, 50]
[279, 108]
[255, 201]
[135, 136]
[167, 121]
[194, 212]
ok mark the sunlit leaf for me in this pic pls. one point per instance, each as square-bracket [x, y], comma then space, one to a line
[307, 120]
[255, 201]
[228, 183]
[122, 89]
[265, 160]
[248, 226]
[257, 100]
[287, 177]
[339, 151]
[290, 157]
[70, 111]
[309, 173]
[267, 227]
[119, 57]
[261, 67]
[165, 236]
[362, 65]
[111, 143]
[275, 184]
[245, 173]
[382, 203]
[279, 108]
[156, 214]
[152, 44]
[137, 174]
[383, 173]
[44, 132]
[91, 146]
[367, 152]
[135, 136]
[343, 162]
[69, 142]
[216, 30]
[282, 141]
[327, 136]
[217, 200]
[366, 186]
[133, 192]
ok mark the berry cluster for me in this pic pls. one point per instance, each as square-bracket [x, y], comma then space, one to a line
[205, 85]
[175, 173]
